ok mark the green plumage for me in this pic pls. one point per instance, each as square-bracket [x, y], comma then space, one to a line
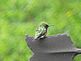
[41, 31]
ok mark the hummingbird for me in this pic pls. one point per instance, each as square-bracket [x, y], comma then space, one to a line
[41, 31]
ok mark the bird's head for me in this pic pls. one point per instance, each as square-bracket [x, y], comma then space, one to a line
[44, 24]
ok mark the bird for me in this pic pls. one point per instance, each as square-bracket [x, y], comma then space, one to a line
[41, 31]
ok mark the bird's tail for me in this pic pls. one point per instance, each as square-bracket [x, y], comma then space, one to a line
[37, 37]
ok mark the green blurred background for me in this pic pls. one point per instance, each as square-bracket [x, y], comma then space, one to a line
[21, 17]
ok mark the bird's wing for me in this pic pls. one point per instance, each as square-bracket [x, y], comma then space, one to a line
[39, 31]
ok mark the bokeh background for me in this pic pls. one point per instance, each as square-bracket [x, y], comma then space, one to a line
[21, 17]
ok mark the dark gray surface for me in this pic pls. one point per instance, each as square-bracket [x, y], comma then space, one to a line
[52, 48]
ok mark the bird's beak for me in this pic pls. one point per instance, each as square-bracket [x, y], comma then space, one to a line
[51, 25]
